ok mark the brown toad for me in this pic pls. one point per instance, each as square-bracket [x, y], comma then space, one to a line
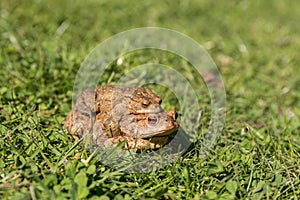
[111, 114]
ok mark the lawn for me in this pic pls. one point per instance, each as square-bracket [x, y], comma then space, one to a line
[255, 45]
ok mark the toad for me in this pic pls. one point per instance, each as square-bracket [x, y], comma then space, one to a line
[112, 114]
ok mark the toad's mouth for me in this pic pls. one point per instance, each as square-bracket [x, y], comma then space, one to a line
[158, 134]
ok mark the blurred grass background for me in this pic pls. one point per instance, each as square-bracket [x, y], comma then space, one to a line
[255, 45]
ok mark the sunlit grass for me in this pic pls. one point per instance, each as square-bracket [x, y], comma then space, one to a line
[256, 47]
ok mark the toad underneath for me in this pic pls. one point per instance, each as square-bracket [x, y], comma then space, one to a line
[112, 114]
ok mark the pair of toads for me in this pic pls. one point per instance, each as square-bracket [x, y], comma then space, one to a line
[112, 114]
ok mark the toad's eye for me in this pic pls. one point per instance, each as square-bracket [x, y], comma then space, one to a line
[145, 104]
[153, 120]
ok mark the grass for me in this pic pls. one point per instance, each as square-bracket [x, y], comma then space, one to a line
[256, 47]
